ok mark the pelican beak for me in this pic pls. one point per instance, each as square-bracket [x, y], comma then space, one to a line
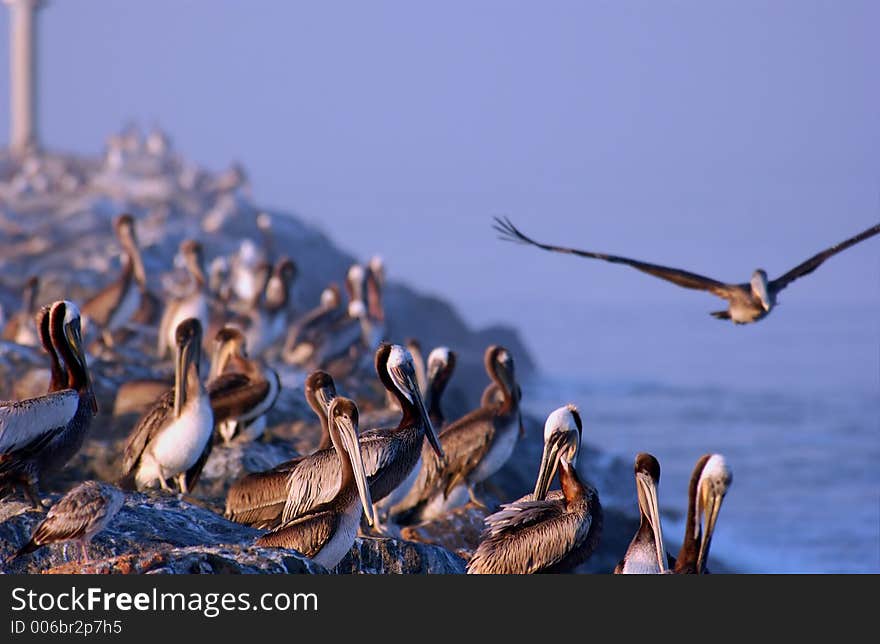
[549, 465]
[430, 432]
[647, 493]
[711, 506]
[348, 433]
[184, 359]
[74, 339]
[325, 396]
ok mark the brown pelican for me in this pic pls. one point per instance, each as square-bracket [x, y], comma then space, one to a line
[191, 303]
[246, 279]
[172, 439]
[544, 532]
[390, 454]
[646, 554]
[476, 445]
[747, 302]
[41, 434]
[258, 499]
[709, 483]
[308, 331]
[118, 302]
[351, 335]
[441, 364]
[77, 516]
[326, 533]
[374, 284]
[20, 327]
[241, 390]
[266, 319]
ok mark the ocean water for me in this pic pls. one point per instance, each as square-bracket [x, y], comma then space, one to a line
[793, 403]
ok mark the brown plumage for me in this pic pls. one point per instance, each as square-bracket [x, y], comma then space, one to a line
[258, 499]
[77, 516]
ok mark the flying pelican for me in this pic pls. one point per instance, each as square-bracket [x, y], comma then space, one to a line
[709, 483]
[476, 445]
[41, 434]
[258, 499]
[544, 532]
[390, 454]
[173, 438]
[747, 302]
[241, 390]
[326, 533]
[20, 326]
[118, 302]
[190, 304]
[646, 554]
[77, 516]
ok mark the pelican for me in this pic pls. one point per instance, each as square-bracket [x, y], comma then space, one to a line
[390, 454]
[246, 278]
[77, 516]
[266, 317]
[20, 327]
[352, 334]
[41, 434]
[258, 499]
[172, 439]
[191, 303]
[544, 532]
[326, 533]
[241, 390]
[747, 302]
[646, 554]
[441, 364]
[374, 284]
[118, 302]
[308, 331]
[709, 483]
[476, 445]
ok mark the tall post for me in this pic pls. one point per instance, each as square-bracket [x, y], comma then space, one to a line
[23, 136]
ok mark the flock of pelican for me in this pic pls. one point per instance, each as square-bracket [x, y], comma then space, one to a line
[371, 472]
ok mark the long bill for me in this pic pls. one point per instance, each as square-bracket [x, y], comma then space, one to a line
[348, 435]
[74, 339]
[647, 493]
[549, 465]
[711, 508]
[184, 358]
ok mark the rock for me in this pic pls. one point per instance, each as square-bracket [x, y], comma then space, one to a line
[382, 556]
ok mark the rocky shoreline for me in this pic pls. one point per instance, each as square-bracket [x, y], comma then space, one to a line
[55, 218]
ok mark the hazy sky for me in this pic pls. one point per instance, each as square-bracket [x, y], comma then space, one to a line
[715, 136]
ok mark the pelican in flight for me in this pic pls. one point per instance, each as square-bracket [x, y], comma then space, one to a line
[646, 554]
[747, 302]
[545, 532]
[77, 516]
[173, 438]
[326, 533]
[43, 433]
[258, 499]
[709, 483]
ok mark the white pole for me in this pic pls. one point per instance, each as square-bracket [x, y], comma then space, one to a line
[23, 76]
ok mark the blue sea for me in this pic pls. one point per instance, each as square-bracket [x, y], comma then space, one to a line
[792, 402]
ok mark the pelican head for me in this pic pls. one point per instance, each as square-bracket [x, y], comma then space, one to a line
[125, 231]
[320, 390]
[439, 361]
[330, 297]
[499, 362]
[357, 309]
[343, 416]
[188, 339]
[192, 255]
[71, 345]
[279, 283]
[713, 484]
[354, 282]
[228, 342]
[376, 266]
[761, 289]
[400, 371]
[562, 438]
[647, 471]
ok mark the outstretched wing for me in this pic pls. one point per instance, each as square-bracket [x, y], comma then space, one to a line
[807, 267]
[508, 232]
[23, 421]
